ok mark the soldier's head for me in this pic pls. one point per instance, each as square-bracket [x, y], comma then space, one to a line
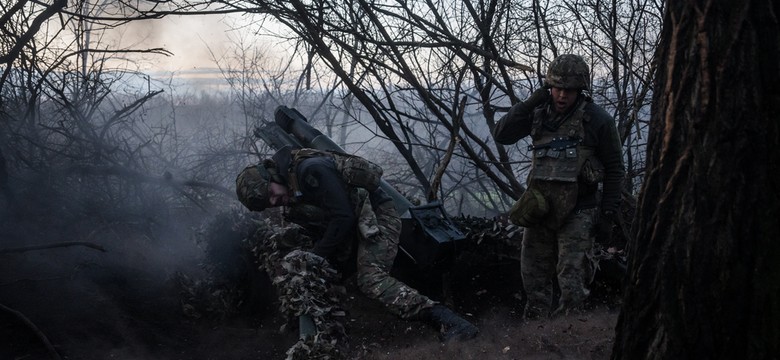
[567, 76]
[259, 187]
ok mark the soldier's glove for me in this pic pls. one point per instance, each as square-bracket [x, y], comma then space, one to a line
[607, 221]
[538, 97]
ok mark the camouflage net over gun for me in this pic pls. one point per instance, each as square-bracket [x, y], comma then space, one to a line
[306, 286]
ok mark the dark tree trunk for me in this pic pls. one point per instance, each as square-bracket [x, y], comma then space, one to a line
[704, 269]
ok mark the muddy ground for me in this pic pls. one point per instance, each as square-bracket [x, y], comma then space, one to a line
[125, 304]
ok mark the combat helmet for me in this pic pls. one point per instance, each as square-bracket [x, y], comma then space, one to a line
[568, 71]
[252, 185]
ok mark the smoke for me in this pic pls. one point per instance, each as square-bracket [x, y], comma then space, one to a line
[191, 39]
[120, 301]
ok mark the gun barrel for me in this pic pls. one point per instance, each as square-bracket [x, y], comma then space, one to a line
[293, 122]
[275, 137]
[428, 236]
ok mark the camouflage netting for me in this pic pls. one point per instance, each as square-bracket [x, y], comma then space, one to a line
[241, 246]
[490, 238]
[306, 287]
[228, 266]
[306, 284]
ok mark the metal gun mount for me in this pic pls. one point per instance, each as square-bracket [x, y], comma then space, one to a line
[428, 237]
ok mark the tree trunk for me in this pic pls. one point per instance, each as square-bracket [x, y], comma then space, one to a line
[704, 279]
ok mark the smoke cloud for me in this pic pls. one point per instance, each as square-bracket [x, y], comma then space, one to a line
[189, 38]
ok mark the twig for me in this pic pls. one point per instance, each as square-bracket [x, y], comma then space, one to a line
[39, 333]
[26, 279]
[50, 246]
[454, 140]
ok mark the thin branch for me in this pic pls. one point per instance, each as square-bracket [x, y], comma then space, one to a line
[51, 246]
[38, 332]
[454, 140]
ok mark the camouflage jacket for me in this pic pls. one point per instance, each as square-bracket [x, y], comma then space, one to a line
[323, 187]
[600, 134]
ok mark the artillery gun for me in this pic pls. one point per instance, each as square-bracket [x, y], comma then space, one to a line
[429, 239]
[435, 256]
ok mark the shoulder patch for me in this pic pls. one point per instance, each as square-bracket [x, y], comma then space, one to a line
[312, 181]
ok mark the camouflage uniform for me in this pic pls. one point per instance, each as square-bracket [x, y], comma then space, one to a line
[366, 220]
[558, 251]
[563, 255]
[375, 256]
[305, 278]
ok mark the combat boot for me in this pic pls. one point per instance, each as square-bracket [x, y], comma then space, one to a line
[451, 326]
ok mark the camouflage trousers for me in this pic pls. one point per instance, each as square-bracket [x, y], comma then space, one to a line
[375, 256]
[561, 257]
[307, 283]
[380, 230]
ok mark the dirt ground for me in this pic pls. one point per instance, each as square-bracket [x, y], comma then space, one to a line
[123, 304]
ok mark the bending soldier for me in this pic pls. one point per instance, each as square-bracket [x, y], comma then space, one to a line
[575, 147]
[354, 216]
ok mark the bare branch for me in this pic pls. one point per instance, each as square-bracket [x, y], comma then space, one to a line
[52, 246]
[38, 333]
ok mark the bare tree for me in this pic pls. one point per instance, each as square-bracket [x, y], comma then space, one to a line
[406, 68]
[74, 122]
[703, 281]
[411, 64]
[622, 37]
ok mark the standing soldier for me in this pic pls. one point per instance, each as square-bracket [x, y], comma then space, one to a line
[350, 212]
[575, 147]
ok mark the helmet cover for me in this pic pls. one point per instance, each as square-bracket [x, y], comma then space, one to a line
[568, 71]
[252, 187]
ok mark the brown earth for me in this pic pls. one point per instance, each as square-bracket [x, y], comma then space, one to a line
[124, 304]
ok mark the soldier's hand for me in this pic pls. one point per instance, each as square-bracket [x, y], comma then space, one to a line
[538, 97]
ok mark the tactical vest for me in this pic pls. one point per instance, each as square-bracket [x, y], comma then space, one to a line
[558, 155]
[361, 176]
[355, 170]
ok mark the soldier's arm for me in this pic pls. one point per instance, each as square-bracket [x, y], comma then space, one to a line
[325, 187]
[516, 124]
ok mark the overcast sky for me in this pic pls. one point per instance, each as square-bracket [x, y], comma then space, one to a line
[187, 37]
